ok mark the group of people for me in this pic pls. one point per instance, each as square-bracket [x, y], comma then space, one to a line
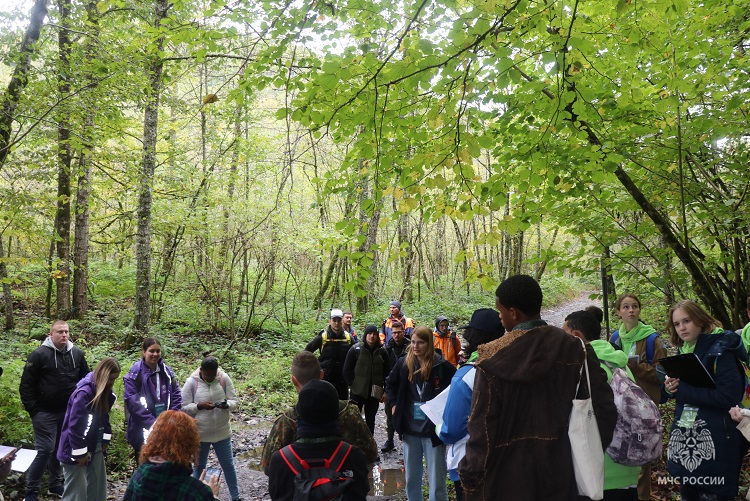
[171, 428]
[504, 427]
[511, 386]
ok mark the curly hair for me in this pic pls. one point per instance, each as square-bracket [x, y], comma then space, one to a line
[698, 315]
[175, 438]
[521, 292]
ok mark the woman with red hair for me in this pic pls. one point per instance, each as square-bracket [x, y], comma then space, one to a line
[165, 471]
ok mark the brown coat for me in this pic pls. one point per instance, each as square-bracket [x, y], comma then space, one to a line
[645, 373]
[518, 444]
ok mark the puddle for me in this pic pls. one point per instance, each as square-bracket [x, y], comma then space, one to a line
[383, 481]
[386, 481]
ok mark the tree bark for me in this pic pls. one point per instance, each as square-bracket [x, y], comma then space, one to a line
[64, 158]
[7, 295]
[82, 212]
[148, 166]
[19, 79]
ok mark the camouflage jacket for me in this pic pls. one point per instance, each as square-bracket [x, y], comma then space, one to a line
[352, 426]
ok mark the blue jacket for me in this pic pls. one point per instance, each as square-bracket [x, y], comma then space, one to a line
[82, 425]
[140, 405]
[713, 447]
[454, 431]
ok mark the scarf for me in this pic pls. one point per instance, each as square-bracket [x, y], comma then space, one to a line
[628, 339]
[690, 347]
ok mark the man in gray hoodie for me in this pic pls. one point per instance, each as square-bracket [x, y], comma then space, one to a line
[49, 378]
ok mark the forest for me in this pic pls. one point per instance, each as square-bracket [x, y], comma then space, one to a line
[225, 172]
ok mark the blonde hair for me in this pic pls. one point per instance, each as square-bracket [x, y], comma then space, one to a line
[423, 366]
[104, 369]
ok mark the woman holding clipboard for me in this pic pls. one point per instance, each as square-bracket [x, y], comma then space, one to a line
[705, 448]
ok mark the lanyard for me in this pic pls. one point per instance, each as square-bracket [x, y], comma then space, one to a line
[420, 389]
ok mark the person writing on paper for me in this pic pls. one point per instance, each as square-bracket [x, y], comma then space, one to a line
[418, 377]
[703, 443]
[524, 386]
[484, 326]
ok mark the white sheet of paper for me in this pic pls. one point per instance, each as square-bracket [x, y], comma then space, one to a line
[435, 407]
[23, 460]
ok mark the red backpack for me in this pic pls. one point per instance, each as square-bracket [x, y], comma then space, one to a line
[320, 479]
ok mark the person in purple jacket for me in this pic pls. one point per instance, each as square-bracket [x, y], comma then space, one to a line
[150, 388]
[86, 432]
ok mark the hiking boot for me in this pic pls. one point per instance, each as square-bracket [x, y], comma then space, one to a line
[56, 491]
[388, 446]
[30, 497]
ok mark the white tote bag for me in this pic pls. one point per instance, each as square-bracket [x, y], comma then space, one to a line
[585, 442]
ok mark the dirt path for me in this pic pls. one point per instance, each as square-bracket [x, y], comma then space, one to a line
[388, 481]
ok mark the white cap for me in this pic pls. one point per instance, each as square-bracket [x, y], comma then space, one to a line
[337, 313]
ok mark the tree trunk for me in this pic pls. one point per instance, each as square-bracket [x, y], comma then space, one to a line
[7, 296]
[372, 222]
[64, 157]
[150, 128]
[82, 212]
[18, 81]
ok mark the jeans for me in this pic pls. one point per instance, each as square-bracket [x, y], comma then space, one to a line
[86, 483]
[437, 470]
[223, 450]
[389, 420]
[47, 427]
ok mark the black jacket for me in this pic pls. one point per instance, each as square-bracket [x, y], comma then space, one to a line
[395, 352]
[332, 352]
[397, 388]
[714, 447]
[50, 377]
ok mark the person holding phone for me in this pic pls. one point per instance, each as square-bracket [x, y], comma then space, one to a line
[165, 470]
[208, 395]
[150, 388]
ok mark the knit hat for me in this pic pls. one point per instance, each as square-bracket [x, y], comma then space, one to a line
[370, 328]
[396, 303]
[318, 402]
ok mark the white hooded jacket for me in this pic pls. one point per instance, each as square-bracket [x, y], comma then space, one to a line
[213, 424]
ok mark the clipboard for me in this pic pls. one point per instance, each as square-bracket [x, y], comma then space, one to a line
[688, 368]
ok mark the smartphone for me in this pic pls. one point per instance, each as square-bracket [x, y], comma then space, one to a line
[221, 405]
[211, 471]
[9, 455]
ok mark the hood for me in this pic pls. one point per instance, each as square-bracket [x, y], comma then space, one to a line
[68, 347]
[722, 342]
[439, 319]
[608, 353]
[526, 356]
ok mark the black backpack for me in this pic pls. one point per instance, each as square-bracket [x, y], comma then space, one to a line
[320, 479]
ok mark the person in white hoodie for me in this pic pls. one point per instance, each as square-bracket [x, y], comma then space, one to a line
[208, 395]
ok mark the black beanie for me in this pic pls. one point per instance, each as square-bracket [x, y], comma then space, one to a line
[318, 402]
